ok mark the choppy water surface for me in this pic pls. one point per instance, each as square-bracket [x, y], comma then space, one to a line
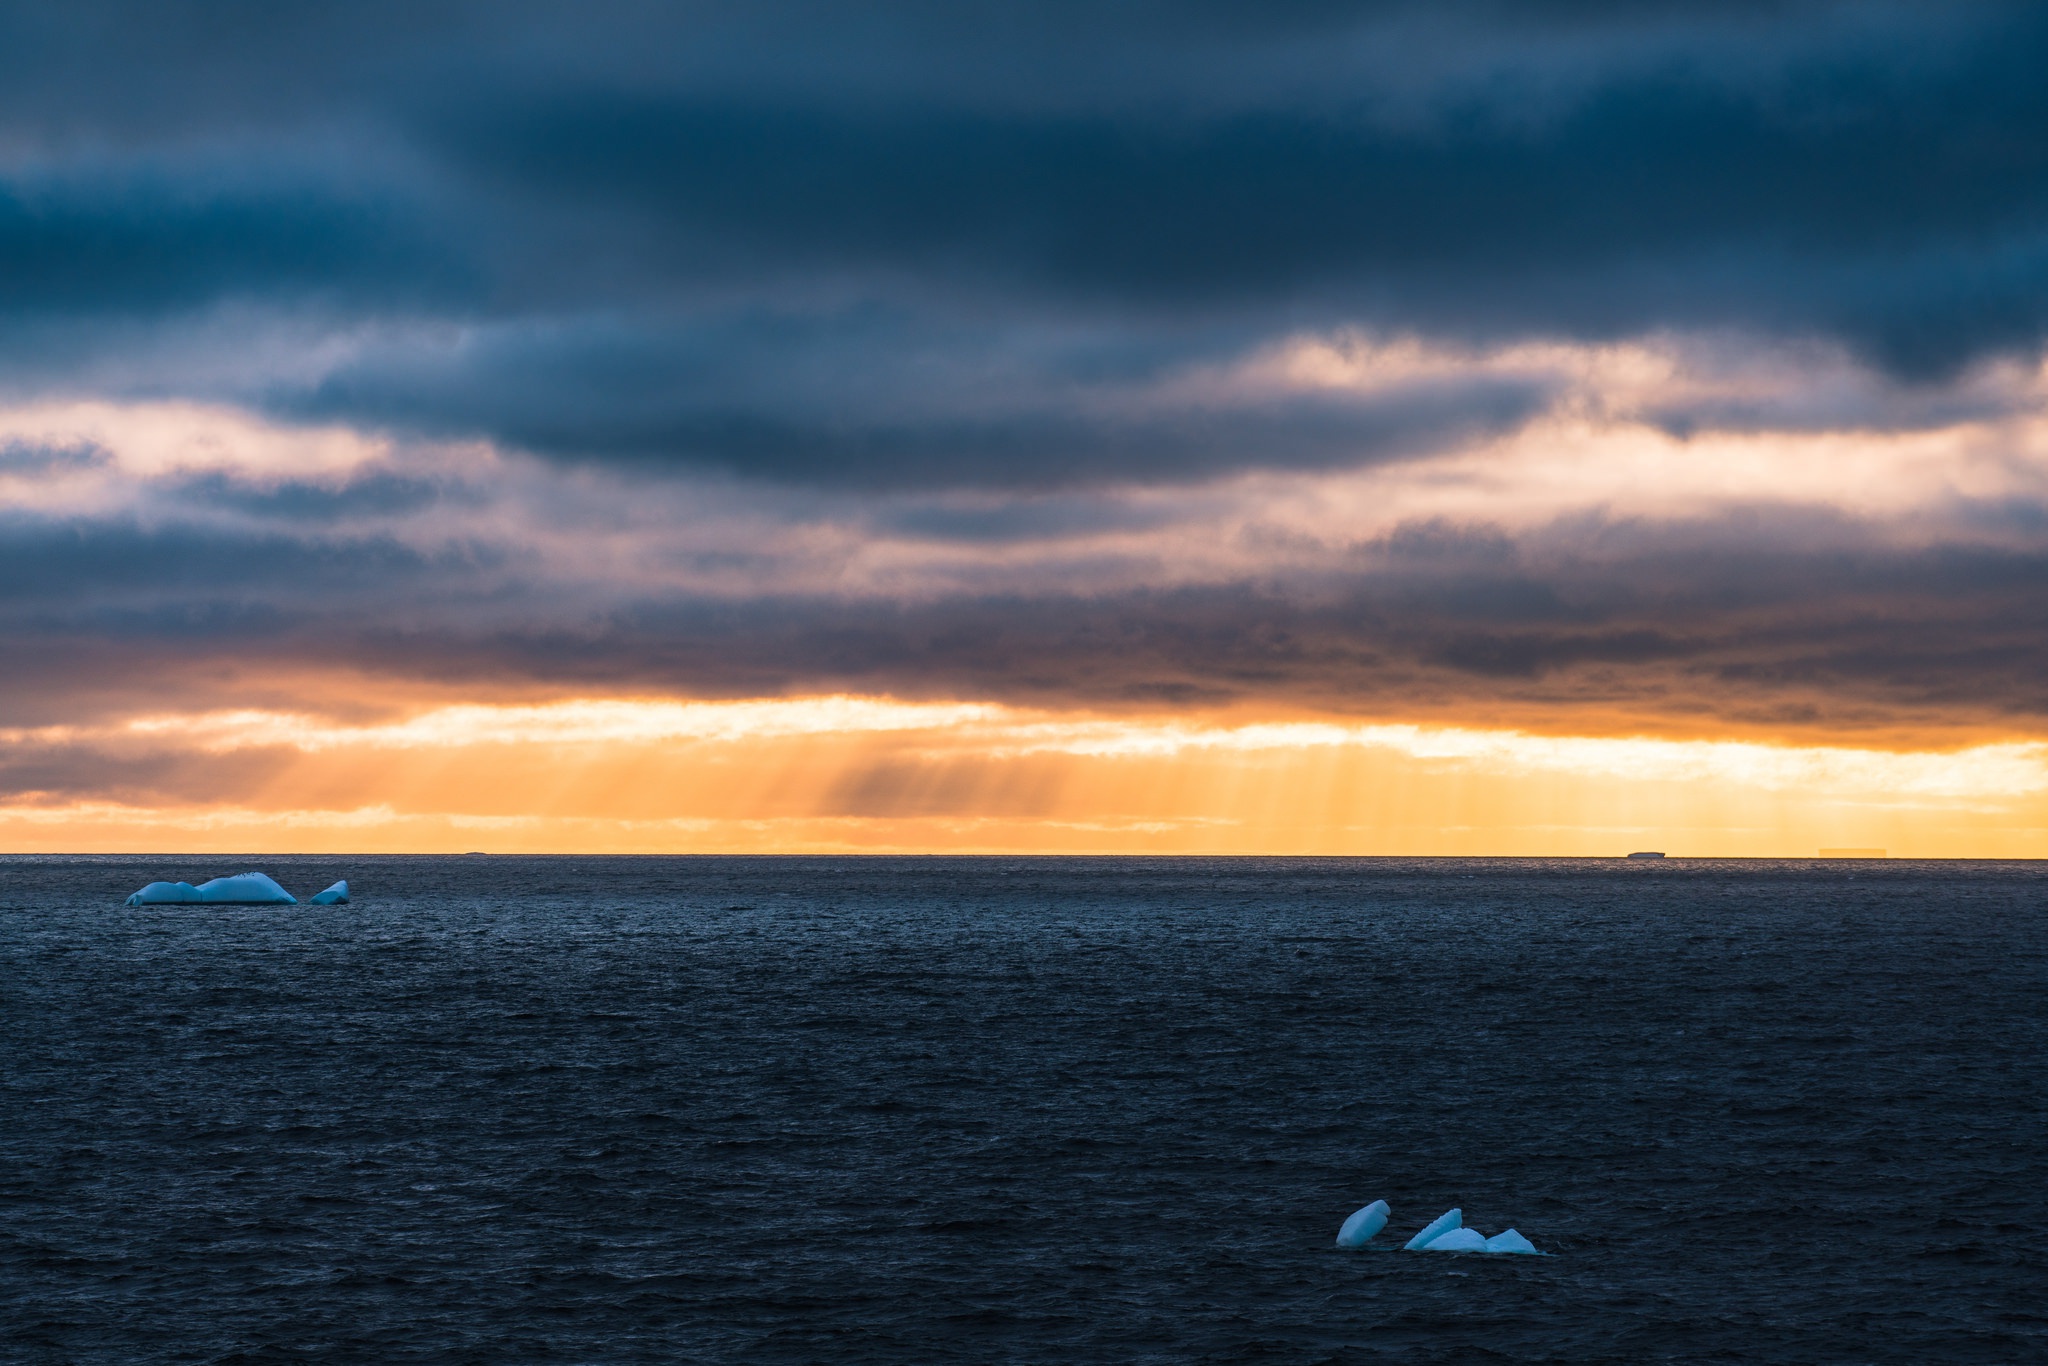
[1024, 1110]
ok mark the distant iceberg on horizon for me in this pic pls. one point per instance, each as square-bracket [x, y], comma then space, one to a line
[243, 889]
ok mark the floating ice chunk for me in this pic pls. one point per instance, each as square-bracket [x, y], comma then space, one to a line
[246, 889]
[243, 889]
[1457, 1240]
[1510, 1241]
[1360, 1227]
[336, 895]
[165, 894]
[1442, 1224]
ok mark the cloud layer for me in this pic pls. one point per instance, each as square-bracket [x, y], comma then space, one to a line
[917, 246]
[1589, 567]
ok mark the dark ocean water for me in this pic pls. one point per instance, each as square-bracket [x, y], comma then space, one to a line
[933, 1110]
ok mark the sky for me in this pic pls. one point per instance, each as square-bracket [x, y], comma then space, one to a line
[1294, 427]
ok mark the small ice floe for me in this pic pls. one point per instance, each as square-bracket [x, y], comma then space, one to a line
[243, 889]
[1360, 1227]
[1457, 1240]
[1435, 1229]
[1447, 1233]
[337, 895]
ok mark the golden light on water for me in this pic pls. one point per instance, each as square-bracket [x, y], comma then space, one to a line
[862, 773]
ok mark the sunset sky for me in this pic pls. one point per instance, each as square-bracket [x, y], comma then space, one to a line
[1307, 427]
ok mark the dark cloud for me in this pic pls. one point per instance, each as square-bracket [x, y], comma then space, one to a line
[123, 578]
[364, 496]
[1792, 627]
[1798, 641]
[160, 239]
[1131, 177]
[1476, 220]
[909, 417]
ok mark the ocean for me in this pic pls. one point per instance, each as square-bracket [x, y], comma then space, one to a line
[575, 1109]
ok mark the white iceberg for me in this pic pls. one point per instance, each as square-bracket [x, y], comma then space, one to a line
[1436, 1227]
[337, 895]
[1509, 1241]
[1457, 1240]
[1360, 1227]
[243, 889]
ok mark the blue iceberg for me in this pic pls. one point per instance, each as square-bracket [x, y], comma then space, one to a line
[246, 889]
[1436, 1227]
[165, 893]
[1447, 1233]
[243, 889]
[337, 895]
[1457, 1240]
[1360, 1227]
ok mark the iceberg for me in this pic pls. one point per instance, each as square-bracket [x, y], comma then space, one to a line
[165, 893]
[1436, 1227]
[1510, 1241]
[1360, 1227]
[337, 895]
[246, 889]
[1457, 1240]
[243, 889]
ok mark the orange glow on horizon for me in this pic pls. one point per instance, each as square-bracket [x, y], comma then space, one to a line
[837, 774]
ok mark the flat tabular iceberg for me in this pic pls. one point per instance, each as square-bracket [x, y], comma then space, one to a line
[243, 889]
[1435, 1228]
[1360, 1227]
